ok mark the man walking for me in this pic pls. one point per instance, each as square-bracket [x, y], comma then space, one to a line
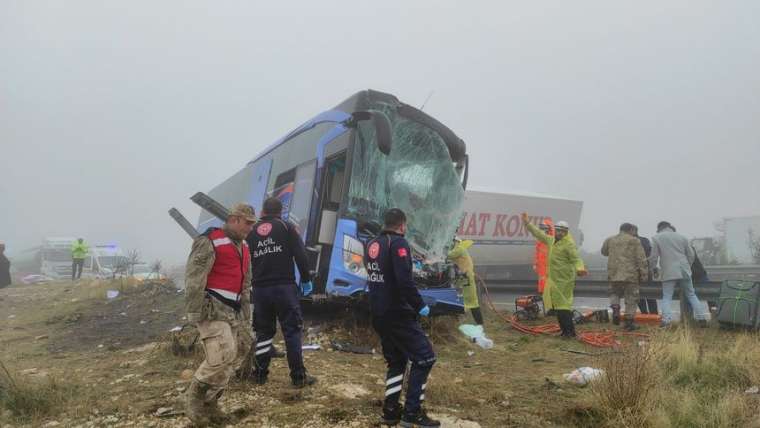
[396, 304]
[5, 268]
[675, 256]
[275, 245]
[79, 251]
[218, 302]
[626, 269]
[564, 264]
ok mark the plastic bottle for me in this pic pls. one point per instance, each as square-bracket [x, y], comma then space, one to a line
[484, 342]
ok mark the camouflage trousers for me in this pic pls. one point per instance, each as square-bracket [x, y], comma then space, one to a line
[226, 338]
[627, 290]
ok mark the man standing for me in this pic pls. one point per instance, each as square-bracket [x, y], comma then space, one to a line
[646, 306]
[217, 301]
[626, 269]
[396, 304]
[675, 257]
[5, 268]
[564, 264]
[79, 251]
[275, 245]
[461, 257]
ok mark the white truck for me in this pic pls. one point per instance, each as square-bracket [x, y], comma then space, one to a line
[102, 261]
[502, 248]
[55, 257]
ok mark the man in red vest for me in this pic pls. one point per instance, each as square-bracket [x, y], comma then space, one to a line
[217, 297]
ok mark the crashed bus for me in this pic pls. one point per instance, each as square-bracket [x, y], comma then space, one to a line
[340, 171]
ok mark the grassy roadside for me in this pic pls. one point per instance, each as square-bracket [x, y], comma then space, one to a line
[108, 363]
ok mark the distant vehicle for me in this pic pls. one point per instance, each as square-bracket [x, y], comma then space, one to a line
[55, 257]
[502, 248]
[340, 171]
[143, 272]
[105, 261]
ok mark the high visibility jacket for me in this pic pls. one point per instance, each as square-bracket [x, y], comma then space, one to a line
[564, 264]
[540, 262]
[79, 250]
[225, 280]
[461, 257]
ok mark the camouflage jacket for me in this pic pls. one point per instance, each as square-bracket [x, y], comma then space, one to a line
[198, 304]
[627, 261]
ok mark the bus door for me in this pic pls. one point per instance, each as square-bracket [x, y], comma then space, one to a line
[331, 189]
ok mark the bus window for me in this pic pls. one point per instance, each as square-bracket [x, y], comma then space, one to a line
[336, 169]
[283, 190]
[297, 150]
[302, 193]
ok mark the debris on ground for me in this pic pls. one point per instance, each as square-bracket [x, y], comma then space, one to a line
[348, 347]
[582, 376]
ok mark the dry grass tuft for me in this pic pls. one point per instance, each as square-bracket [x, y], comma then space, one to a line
[29, 400]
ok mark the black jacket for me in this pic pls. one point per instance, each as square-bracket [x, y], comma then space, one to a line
[391, 284]
[5, 271]
[274, 245]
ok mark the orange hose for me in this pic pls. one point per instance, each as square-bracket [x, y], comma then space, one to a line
[598, 338]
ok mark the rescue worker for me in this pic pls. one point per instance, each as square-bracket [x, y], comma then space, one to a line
[461, 258]
[540, 265]
[396, 304]
[627, 267]
[79, 251]
[564, 264]
[275, 245]
[675, 256]
[217, 302]
[5, 268]
[646, 306]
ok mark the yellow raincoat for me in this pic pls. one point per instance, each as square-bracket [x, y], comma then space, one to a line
[462, 259]
[564, 265]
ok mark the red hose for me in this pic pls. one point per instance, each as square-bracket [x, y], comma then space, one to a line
[598, 338]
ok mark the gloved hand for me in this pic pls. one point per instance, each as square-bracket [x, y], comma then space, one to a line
[306, 288]
[425, 311]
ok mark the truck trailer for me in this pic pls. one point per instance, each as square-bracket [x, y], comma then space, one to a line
[503, 248]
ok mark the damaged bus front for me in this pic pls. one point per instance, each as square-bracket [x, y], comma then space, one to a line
[338, 173]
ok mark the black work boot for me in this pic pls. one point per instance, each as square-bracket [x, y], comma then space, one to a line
[391, 414]
[303, 380]
[630, 325]
[418, 420]
[615, 314]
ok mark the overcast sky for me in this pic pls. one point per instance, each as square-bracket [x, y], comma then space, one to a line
[112, 112]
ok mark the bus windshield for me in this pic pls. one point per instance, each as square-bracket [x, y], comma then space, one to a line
[418, 176]
[56, 255]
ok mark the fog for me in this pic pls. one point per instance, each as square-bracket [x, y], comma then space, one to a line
[112, 112]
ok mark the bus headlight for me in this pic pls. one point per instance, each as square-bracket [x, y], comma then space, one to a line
[353, 256]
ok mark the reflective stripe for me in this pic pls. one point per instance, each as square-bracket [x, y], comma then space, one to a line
[221, 241]
[393, 390]
[226, 294]
[422, 397]
[263, 351]
[264, 343]
[423, 386]
[393, 380]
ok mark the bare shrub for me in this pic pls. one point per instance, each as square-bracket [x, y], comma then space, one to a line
[624, 395]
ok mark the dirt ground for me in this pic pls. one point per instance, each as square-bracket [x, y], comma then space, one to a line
[116, 355]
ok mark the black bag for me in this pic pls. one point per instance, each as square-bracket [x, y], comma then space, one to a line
[698, 272]
[738, 304]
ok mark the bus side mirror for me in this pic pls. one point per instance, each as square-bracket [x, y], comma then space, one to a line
[382, 128]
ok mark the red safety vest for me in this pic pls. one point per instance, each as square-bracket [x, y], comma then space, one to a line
[228, 273]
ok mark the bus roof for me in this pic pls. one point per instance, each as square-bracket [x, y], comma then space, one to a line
[364, 100]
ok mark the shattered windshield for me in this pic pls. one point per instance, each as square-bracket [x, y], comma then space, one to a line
[417, 176]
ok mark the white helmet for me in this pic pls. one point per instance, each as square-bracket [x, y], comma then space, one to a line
[562, 225]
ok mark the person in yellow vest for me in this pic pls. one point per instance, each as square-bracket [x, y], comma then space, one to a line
[79, 252]
[461, 258]
[564, 264]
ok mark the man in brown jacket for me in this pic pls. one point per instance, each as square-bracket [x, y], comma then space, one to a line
[626, 269]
